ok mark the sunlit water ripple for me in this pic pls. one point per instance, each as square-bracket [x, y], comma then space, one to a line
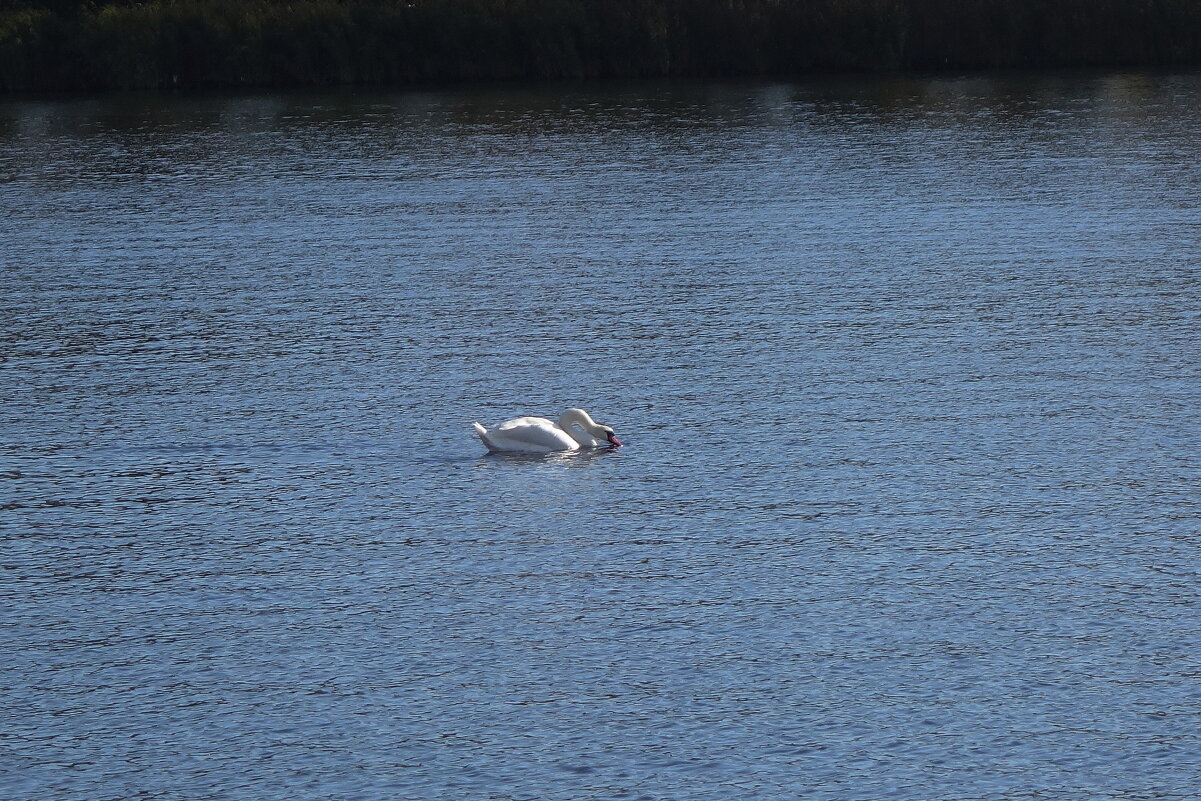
[907, 371]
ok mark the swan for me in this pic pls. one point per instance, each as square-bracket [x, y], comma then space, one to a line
[575, 430]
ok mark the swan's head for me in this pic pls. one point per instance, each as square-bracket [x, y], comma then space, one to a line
[609, 434]
[594, 429]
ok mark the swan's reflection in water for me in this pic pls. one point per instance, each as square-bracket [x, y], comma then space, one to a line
[573, 459]
[544, 489]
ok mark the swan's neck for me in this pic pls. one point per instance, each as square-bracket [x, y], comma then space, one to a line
[575, 419]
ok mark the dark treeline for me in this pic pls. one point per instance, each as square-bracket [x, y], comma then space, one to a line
[119, 44]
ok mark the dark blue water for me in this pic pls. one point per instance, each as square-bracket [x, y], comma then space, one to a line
[908, 372]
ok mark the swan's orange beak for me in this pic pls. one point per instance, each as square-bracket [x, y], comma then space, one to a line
[613, 440]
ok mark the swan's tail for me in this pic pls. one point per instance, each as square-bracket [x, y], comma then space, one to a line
[483, 432]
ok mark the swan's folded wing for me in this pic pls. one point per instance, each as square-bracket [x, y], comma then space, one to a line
[531, 434]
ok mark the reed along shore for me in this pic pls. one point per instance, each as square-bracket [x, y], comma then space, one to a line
[120, 44]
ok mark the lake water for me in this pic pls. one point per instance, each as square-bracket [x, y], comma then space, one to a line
[907, 370]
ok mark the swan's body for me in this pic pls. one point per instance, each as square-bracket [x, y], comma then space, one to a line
[575, 430]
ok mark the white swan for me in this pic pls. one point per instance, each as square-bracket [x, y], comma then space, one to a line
[574, 430]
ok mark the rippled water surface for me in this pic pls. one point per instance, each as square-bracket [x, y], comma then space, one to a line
[907, 369]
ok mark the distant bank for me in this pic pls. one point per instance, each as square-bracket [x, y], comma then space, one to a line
[123, 44]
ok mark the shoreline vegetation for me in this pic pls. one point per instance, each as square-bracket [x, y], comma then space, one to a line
[69, 45]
